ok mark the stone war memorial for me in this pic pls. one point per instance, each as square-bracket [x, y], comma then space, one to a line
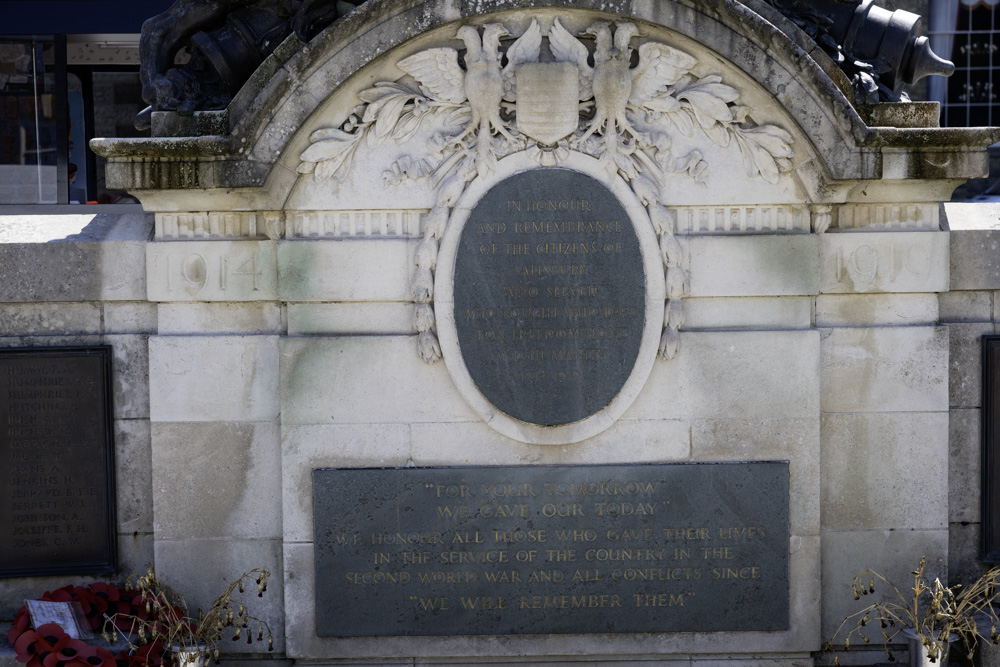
[504, 332]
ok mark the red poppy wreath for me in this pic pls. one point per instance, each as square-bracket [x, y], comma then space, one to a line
[49, 645]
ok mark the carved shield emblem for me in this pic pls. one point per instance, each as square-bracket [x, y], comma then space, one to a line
[548, 96]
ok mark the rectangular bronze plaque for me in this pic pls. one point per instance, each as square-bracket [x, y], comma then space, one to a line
[57, 509]
[551, 549]
[991, 449]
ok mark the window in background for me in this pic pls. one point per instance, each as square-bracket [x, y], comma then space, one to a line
[30, 114]
[111, 96]
[117, 100]
[105, 69]
[54, 98]
[968, 31]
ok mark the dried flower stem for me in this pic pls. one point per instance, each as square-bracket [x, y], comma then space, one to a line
[169, 621]
[936, 613]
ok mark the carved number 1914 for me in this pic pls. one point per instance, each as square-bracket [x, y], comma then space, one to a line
[195, 272]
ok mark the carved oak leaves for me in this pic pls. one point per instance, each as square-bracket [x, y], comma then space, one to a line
[589, 99]
[624, 115]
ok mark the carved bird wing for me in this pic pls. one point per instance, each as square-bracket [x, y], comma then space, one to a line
[659, 66]
[438, 73]
[567, 48]
[525, 49]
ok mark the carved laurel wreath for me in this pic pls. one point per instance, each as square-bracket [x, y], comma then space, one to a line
[624, 116]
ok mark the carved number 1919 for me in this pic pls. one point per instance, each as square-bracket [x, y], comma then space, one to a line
[863, 264]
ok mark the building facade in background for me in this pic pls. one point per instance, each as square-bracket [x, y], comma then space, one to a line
[69, 72]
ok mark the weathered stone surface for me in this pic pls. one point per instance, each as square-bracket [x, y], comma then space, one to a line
[964, 465]
[891, 114]
[885, 369]
[130, 374]
[716, 219]
[363, 222]
[891, 216]
[75, 227]
[213, 378]
[199, 569]
[779, 660]
[646, 441]
[331, 446]
[893, 554]
[963, 216]
[133, 458]
[793, 440]
[71, 272]
[73, 257]
[966, 306]
[975, 245]
[784, 312]
[135, 552]
[225, 469]
[50, 341]
[884, 262]
[352, 270]
[903, 164]
[129, 317]
[965, 376]
[711, 376]
[779, 265]
[50, 318]
[217, 225]
[884, 471]
[335, 380]
[351, 318]
[123, 270]
[964, 549]
[219, 318]
[856, 310]
[212, 271]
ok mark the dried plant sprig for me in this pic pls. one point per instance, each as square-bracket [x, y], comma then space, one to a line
[937, 614]
[169, 621]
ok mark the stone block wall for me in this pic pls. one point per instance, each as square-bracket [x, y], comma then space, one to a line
[230, 388]
[971, 309]
[81, 280]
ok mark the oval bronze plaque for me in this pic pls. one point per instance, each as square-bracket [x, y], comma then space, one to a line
[549, 296]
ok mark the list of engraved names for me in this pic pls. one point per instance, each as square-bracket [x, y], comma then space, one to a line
[553, 549]
[549, 296]
[52, 442]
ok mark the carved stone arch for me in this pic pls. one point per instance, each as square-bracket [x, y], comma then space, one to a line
[257, 140]
[735, 35]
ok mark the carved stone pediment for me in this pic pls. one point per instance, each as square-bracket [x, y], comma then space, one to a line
[505, 102]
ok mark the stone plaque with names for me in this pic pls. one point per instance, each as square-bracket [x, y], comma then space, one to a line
[549, 296]
[551, 549]
[57, 510]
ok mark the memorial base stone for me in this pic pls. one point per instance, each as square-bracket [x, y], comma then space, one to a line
[446, 269]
